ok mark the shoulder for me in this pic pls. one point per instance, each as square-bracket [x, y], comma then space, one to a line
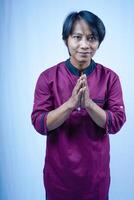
[106, 71]
[53, 69]
[109, 76]
[46, 76]
[50, 73]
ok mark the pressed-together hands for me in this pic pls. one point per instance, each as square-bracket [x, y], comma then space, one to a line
[80, 98]
[80, 95]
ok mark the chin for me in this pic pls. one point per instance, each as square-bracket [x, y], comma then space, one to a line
[84, 60]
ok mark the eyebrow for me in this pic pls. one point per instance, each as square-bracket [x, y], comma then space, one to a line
[77, 33]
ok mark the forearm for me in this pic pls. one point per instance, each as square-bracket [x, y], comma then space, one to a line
[56, 117]
[97, 114]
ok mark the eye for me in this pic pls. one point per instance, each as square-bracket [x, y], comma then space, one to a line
[77, 37]
[91, 38]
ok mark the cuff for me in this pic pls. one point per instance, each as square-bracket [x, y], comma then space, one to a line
[108, 122]
[43, 123]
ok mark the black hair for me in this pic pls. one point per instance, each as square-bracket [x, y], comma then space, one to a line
[94, 22]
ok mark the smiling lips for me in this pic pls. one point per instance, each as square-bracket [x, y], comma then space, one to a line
[84, 53]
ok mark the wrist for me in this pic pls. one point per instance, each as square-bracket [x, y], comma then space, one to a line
[69, 105]
[89, 105]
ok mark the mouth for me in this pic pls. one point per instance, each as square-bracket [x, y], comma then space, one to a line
[84, 54]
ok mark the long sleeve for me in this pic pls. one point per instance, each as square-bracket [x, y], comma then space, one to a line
[115, 110]
[43, 103]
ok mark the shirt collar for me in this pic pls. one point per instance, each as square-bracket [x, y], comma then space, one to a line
[88, 70]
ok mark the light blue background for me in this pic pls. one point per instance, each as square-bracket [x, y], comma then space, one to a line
[30, 41]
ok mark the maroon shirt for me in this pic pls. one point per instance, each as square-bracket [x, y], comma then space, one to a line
[77, 152]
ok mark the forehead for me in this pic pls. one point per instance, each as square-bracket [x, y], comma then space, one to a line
[81, 27]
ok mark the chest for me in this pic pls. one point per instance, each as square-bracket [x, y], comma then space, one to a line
[63, 86]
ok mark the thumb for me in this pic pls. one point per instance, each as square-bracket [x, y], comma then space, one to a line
[83, 96]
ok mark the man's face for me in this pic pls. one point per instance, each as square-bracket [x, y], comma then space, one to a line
[82, 44]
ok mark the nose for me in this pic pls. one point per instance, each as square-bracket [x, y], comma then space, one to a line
[84, 44]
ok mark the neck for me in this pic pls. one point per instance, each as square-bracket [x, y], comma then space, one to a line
[79, 65]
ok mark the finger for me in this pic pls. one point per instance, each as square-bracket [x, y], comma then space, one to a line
[80, 83]
[83, 76]
[82, 98]
[78, 86]
[85, 81]
[80, 94]
[83, 91]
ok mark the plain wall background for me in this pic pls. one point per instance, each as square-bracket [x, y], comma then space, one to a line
[30, 42]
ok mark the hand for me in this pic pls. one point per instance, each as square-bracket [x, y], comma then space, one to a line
[85, 98]
[75, 99]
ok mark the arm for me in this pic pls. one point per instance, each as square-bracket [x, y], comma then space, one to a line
[44, 117]
[113, 118]
[97, 114]
[115, 109]
[56, 117]
[43, 104]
